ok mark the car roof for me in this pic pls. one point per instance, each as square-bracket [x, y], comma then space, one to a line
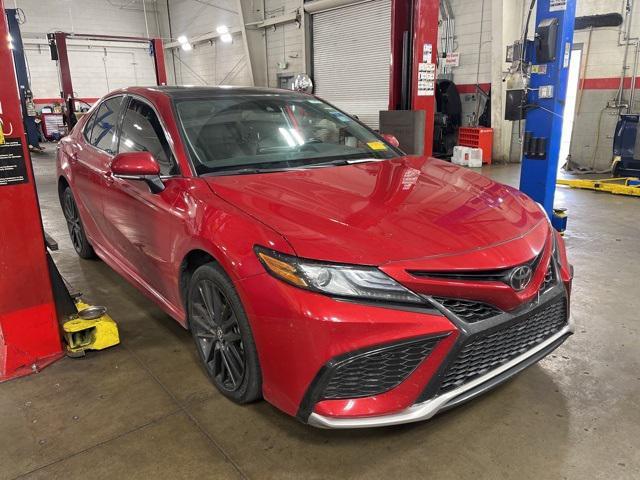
[180, 92]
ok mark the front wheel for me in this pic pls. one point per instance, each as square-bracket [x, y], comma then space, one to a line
[74, 224]
[222, 335]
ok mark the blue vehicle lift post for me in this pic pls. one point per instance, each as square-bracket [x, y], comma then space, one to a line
[31, 128]
[544, 115]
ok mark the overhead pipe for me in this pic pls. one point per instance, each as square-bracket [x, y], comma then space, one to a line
[628, 6]
[448, 31]
[632, 95]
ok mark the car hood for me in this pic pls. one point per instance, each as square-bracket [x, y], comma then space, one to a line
[386, 211]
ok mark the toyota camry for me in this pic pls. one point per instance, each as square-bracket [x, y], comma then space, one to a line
[315, 264]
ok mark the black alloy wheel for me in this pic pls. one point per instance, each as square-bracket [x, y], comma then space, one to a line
[76, 231]
[222, 335]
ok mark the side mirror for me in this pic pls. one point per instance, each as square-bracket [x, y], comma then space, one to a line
[138, 166]
[391, 140]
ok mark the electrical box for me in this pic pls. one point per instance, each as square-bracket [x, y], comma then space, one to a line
[515, 101]
[546, 36]
[514, 52]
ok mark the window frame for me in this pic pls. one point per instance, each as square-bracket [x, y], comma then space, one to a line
[92, 122]
[88, 125]
[141, 99]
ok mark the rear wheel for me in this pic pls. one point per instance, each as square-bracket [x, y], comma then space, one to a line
[615, 169]
[222, 335]
[74, 224]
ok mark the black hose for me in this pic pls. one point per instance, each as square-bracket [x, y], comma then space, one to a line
[526, 28]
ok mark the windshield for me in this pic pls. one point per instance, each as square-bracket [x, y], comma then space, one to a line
[248, 133]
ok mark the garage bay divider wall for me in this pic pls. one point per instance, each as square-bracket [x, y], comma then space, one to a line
[351, 51]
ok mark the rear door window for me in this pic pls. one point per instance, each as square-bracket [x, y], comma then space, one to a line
[105, 121]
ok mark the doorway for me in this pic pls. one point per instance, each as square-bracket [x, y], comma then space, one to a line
[570, 106]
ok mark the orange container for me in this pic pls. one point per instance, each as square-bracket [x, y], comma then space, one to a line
[477, 137]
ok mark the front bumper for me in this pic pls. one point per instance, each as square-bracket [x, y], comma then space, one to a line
[427, 409]
[301, 337]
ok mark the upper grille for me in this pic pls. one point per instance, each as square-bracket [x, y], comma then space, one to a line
[486, 352]
[549, 278]
[377, 371]
[468, 310]
[500, 275]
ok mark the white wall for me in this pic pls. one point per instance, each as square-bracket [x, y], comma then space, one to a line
[210, 63]
[125, 64]
[285, 43]
[213, 63]
[468, 32]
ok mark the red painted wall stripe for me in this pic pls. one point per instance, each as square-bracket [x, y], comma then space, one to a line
[471, 88]
[607, 83]
[610, 83]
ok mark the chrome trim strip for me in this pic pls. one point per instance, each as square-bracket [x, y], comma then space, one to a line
[426, 410]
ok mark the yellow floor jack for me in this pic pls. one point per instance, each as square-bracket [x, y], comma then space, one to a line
[84, 327]
[91, 329]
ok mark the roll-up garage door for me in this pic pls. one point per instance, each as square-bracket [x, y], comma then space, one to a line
[351, 52]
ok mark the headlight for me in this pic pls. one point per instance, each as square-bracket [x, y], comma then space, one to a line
[335, 279]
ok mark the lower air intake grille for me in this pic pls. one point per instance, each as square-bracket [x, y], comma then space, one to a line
[468, 310]
[486, 352]
[377, 371]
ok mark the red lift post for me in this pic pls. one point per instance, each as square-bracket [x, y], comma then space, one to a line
[29, 331]
[414, 58]
[58, 43]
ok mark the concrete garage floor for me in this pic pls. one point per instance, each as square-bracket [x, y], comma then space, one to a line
[145, 409]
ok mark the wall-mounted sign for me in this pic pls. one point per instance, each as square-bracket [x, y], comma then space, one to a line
[452, 59]
[12, 166]
[427, 53]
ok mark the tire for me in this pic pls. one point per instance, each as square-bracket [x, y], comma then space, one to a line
[615, 171]
[222, 335]
[74, 224]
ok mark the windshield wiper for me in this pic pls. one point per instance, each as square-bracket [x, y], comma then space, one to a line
[246, 171]
[335, 162]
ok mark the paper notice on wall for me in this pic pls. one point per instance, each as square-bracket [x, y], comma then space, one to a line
[426, 79]
[427, 53]
[557, 5]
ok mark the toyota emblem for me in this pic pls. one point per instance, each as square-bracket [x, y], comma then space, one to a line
[520, 277]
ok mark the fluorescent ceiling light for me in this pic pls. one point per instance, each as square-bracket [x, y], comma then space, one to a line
[226, 38]
[187, 47]
[222, 29]
[182, 39]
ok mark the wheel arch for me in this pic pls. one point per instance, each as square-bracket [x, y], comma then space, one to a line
[63, 183]
[194, 259]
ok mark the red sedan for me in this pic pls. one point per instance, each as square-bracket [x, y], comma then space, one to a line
[315, 264]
